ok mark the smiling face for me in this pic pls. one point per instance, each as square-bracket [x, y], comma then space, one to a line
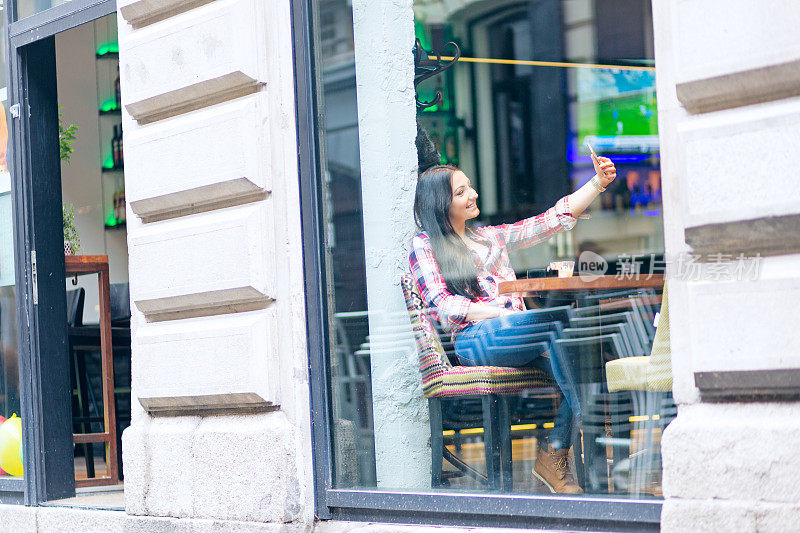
[463, 206]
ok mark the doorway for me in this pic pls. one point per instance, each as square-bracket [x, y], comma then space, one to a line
[68, 192]
[93, 196]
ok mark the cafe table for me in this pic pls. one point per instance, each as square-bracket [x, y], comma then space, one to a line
[531, 286]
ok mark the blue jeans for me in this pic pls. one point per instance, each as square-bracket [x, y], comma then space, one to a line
[523, 340]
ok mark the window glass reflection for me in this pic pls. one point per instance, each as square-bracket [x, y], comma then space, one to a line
[562, 391]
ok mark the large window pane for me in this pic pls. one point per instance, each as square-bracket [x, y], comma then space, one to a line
[537, 81]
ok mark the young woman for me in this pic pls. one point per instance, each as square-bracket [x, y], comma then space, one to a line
[458, 271]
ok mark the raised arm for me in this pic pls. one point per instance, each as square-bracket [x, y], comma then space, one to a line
[560, 217]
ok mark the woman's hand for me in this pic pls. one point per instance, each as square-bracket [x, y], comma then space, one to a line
[502, 311]
[580, 199]
[605, 169]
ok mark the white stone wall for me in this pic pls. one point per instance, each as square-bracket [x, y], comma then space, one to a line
[728, 144]
[221, 421]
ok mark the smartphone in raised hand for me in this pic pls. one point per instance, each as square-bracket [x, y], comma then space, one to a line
[596, 161]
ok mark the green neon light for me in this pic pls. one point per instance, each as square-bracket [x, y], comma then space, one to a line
[109, 162]
[109, 105]
[108, 48]
[111, 221]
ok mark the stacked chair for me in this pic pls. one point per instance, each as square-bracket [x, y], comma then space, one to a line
[608, 332]
[352, 383]
[649, 380]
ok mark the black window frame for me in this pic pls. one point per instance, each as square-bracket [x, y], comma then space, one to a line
[438, 507]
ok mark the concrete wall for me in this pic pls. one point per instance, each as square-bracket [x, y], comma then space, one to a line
[220, 424]
[728, 144]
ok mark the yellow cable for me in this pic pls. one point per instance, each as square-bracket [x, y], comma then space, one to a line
[541, 63]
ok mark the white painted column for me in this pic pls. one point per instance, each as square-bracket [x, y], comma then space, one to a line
[384, 37]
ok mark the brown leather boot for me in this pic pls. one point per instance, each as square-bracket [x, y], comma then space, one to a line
[551, 468]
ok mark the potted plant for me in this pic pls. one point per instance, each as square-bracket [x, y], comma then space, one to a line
[72, 242]
[66, 136]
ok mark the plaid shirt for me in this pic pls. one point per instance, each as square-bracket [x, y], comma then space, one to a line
[451, 309]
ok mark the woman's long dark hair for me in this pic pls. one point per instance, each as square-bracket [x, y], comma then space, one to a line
[432, 214]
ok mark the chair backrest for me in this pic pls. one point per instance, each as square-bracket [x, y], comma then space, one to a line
[642, 321]
[627, 317]
[591, 299]
[641, 306]
[591, 353]
[630, 343]
[433, 361]
[120, 300]
[75, 299]
[594, 299]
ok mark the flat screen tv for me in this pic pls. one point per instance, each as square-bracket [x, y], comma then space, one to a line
[616, 111]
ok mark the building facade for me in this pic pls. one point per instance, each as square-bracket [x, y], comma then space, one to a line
[272, 153]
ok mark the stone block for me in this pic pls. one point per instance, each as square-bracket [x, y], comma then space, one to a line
[679, 515]
[231, 358]
[734, 163]
[142, 12]
[724, 36]
[208, 55]
[159, 466]
[241, 468]
[245, 469]
[209, 263]
[733, 451]
[215, 157]
[707, 516]
[752, 325]
[777, 518]
[135, 459]
[339, 526]
[158, 524]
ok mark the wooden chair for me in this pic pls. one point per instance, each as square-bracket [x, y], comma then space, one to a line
[84, 346]
[492, 385]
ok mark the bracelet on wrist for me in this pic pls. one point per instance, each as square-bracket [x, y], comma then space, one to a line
[596, 183]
